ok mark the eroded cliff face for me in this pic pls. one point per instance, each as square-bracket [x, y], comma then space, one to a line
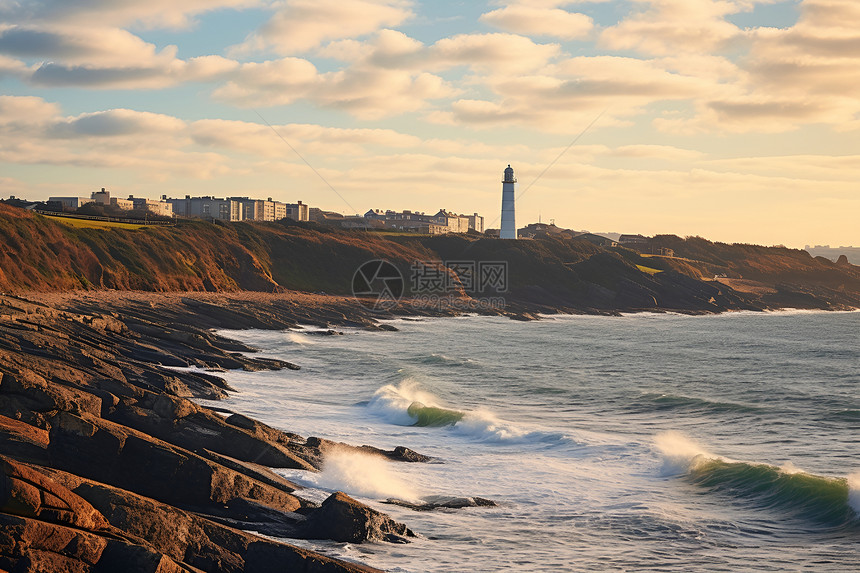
[544, 275]
[40, 253]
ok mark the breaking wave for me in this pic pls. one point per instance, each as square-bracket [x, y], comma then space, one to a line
[366, 475]
[407, 405]
[834, 501]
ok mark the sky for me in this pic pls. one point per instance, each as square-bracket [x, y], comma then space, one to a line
[734, 120]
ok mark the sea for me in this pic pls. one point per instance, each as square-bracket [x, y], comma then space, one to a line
[644, 442]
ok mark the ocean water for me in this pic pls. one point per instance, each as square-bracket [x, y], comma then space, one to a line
[652, 442]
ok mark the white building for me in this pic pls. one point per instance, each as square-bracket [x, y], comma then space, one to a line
[103, 198]
[297, 211]
[70, 203]
[476, 223]
[207, 208]
[160, 208]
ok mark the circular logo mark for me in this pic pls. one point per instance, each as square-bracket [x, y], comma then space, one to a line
[377, 285]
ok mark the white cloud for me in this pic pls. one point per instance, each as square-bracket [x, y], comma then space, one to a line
[25, 112]
[151, 13]
[665, 27]
[75, 45]
[101, 58]
[366, 91]
[502, 53]
[257, 139]
[790, 77]
[540, 21]
[565, 96]
[301, 25]
[117, 122]
[10, 67]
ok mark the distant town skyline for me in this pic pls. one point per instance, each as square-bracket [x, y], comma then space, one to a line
[735, 120]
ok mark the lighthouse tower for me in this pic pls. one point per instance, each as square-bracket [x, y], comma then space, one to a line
[509, 223]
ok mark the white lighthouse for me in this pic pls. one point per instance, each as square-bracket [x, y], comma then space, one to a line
[509, 223]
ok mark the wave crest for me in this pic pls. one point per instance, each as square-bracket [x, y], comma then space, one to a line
[835, 501]
[407, 405]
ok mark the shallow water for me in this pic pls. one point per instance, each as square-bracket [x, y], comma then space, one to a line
[658, 442]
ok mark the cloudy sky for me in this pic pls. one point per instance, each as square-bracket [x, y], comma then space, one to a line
[736, 120]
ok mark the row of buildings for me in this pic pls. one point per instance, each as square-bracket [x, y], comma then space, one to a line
[160, 208]
[235, 209]
[229, 209]
[442, 222]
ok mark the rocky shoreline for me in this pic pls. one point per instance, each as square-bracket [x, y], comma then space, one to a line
[108, 465]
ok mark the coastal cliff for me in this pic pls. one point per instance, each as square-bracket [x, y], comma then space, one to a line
[546, 274]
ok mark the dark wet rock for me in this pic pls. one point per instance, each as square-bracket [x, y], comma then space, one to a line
[381, 328]
[438, 502]
[315, 449]
[342, 518]
[249, 515]
[404, 454]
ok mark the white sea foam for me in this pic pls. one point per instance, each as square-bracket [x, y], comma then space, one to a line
[392, 402]
[407, 404]
[854, 492]
[364, 475]
[484, 426]
[789, 468]
[680, 453]
[299, 338]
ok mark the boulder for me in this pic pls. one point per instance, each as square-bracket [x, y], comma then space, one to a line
[28, 545]
[195, 541]
[182, 424]
[41, 396]
[172, 407]
[440, 501]
[28, 493]
[101, 450]
[23, 441]
[342, 518]
[176, 533]
[314, 449]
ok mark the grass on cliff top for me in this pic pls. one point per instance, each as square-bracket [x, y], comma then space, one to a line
[95, 224]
